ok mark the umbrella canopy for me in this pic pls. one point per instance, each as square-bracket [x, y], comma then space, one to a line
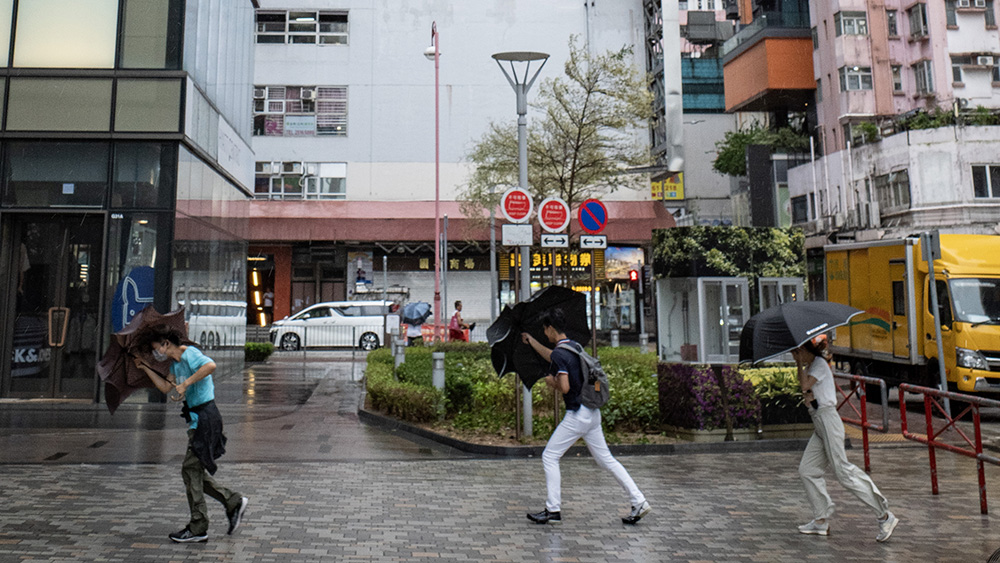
[120, 375]
[508, 353]
[777, 330]
[416, 313]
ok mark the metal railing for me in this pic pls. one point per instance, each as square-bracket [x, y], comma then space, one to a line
[932, 437]
[857, 389]
[795, 20]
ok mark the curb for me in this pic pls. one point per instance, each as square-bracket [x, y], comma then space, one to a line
[754, 446]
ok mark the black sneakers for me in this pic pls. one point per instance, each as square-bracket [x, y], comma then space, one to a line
[237, 515]
[185, 536]
[546, 517]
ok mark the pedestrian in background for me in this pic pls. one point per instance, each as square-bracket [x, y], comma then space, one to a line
[191, 378]
[414, 336]
[826, 446]
[456, 329]
[566, 375]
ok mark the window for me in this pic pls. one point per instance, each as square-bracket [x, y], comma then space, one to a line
[957, 61]
[850, 23]
[924, 77]
[990, 15]
[855, 78]
[949, 12]
[897, 78]
[293, 111]
[819, 90]
[893, 191]
[815, 38]
[918, 21]
[324, 28]
[300, 180]
[986, 181]
[996, 70]
[60, 34]
[898, 299]
[152, 33]
[890, 19]
[147, 105]
[800, 209]
[84, 104]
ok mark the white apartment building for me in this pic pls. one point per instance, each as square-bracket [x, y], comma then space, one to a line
[344, 129]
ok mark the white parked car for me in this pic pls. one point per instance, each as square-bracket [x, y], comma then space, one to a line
[335, 323]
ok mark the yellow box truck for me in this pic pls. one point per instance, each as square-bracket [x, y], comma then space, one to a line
[895, 338]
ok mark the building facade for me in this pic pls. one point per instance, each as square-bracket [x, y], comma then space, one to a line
[344, 136]
[907, 95]
[127, 174]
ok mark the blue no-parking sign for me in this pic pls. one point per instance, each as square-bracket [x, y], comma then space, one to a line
[593, 216]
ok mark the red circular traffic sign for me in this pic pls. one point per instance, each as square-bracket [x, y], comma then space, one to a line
[593, 216]
[516, 205]
[553, 214]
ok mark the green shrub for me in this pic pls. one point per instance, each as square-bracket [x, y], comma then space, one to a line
[380, 356]
[407, 401]
[257, 351]
[779, 393]
[690, 397]
[633, 405]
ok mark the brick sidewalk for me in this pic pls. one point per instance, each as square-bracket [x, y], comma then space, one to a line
[708, 507]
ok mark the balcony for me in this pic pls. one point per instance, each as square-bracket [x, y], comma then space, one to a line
[768, 24]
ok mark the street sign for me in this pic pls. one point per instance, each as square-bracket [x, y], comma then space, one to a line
[516, 205]
[593, 242]
[555, 241]
[593, 216]
[553, 214]
[517, 235]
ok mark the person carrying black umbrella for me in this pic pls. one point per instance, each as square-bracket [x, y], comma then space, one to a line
[565, 374]
[192, 372]
[826, 446]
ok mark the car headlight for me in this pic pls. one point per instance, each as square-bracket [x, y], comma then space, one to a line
[971, 359]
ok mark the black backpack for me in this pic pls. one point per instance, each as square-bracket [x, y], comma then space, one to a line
[596, 391]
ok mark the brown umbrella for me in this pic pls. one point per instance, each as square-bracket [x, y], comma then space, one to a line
[120, 375]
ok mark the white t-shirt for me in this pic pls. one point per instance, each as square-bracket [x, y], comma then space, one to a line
[413, 331]
[825, 390]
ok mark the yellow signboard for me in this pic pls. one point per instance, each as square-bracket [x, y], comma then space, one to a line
[657, 190]
[673, 187]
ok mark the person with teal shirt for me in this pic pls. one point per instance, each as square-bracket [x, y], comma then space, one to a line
[191, 378]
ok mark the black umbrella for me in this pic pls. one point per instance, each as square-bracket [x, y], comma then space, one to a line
[416, 313]
[509, 353]
[777, 330]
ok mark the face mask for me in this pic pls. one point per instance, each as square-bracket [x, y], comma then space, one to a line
[159, 356]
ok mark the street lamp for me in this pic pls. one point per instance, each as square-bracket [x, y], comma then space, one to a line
[434, 53]
[521, 85]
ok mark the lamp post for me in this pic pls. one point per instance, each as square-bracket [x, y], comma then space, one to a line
[434, 53]
[521, 85]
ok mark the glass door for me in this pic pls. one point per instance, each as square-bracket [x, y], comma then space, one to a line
[56, 263]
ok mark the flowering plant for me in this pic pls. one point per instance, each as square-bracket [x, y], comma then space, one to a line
[690, 397]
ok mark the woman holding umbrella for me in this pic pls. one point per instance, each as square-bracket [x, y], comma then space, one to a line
[826, 446]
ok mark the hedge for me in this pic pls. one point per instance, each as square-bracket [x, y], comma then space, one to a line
[690, 397]
[257, 351]
[476, 399]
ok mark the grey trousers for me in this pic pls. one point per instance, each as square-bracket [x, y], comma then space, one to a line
[198, 483]
[826, 449]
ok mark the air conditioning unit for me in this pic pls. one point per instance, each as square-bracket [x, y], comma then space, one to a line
[275, 168]
[309, 94]
[980, 3]
[259, 93]
[292, 168]
[963, 3]
[984, 61]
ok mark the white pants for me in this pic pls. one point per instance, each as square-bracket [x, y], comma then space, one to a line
[584, 423]
[826, 448]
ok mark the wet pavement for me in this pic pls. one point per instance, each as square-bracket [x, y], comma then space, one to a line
[323, 487]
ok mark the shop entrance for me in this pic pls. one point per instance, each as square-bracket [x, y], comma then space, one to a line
[53, 309]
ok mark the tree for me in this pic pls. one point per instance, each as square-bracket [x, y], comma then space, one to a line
[585, 138]
[731, 157]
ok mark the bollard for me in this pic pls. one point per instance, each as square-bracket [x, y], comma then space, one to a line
[437, 371]
[643, 342]
[614, 338]
[399, 352]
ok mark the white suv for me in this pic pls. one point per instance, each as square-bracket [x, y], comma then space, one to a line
[335, 323]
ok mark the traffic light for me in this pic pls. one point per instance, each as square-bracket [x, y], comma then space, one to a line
[633, 275]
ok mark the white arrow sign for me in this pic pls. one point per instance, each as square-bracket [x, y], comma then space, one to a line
[593, 242]
[555, 241]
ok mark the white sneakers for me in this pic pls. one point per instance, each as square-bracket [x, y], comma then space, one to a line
[885, 528]
[814, 528]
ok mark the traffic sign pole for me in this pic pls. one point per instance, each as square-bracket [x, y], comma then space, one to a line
[593, 308]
